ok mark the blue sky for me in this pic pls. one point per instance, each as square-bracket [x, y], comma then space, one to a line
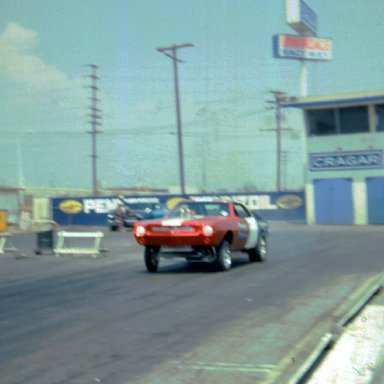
[224, 83]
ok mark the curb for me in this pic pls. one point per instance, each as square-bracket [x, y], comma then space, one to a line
[309, 365]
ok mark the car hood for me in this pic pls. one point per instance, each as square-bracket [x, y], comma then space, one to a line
[179, 221]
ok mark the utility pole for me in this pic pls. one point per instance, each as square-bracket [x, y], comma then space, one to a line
[284, 161]
[172, 53]
[279, 97]
[95, 122]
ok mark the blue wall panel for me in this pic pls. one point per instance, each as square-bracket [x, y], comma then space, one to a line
[375, 198]
[333, 201]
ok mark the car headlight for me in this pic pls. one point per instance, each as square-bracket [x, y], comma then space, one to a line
[207, 230]
[140, 230]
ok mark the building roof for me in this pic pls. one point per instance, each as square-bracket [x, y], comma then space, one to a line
[10, 189]
[335, 100]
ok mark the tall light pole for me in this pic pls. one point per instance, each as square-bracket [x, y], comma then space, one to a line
[19, 154]
[20, 170]
[172, 53]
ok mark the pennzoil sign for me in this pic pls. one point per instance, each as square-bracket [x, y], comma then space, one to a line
[93, 210]
[289, 201]
[71, 206]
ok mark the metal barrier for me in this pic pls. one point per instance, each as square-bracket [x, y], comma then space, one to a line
[7, 237]
[94, 249]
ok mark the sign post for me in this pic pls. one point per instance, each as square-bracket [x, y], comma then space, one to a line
[303, 78]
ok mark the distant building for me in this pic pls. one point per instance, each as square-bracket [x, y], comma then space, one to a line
[344, 148]
[10, 200]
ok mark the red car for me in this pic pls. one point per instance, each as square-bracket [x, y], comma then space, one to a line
[203, 231]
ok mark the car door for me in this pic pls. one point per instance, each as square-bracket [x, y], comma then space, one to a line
[247, 234]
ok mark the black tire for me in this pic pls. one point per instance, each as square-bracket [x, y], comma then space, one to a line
[113, 228]
[259, 253]
[223, 256]
[151, 258]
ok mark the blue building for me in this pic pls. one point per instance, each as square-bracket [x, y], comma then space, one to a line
[344, 152]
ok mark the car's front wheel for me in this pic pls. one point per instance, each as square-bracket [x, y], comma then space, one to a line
[223, 256]
[151, 258]
[259, 253]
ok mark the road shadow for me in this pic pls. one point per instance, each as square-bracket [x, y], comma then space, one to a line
[186, 267]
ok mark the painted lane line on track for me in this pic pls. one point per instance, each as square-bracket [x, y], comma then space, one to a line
[372, 291]
[358, 299]
[232, 367]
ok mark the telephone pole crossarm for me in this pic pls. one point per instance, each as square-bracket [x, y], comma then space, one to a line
[174, 47]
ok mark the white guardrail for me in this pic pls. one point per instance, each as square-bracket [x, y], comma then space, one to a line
[64, 247]
[6, 237]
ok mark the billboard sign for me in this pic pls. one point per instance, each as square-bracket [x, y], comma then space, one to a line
[302, 48]
[341, 161]
[93, 210]
[301, 17]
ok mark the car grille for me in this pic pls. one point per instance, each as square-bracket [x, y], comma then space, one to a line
[173, 229]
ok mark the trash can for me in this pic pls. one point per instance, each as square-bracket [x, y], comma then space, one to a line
[44, 241]
[44, 235]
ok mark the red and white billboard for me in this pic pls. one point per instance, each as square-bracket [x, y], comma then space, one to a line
[302, 48]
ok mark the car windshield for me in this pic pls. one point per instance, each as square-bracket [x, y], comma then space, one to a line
[200, 209]
[140, 206]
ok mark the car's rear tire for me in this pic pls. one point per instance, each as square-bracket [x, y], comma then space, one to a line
[151, 258]
[113, 228]
[223, 256]
[259, 253]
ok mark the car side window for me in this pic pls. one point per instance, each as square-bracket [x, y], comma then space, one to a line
[215, 209]
[240, 211]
